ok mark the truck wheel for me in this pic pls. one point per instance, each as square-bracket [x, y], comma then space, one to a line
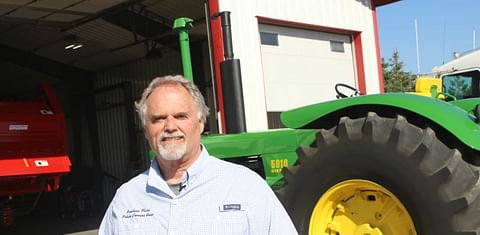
[381, 176]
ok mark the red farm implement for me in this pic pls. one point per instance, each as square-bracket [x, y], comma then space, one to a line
[33, 148]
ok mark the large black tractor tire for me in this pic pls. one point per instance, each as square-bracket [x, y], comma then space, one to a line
[376, 175]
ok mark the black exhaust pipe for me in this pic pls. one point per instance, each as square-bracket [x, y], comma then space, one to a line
[231, 81]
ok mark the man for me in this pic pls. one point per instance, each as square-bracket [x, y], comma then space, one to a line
[185, 190]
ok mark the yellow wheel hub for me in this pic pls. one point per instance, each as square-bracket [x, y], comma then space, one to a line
[360, 207]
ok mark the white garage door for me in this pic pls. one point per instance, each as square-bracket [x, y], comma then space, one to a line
[301, 67]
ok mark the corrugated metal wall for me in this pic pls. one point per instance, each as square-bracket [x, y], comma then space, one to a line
[86, 146]
[115, 106]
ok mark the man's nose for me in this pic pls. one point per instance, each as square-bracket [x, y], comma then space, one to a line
[170, 123]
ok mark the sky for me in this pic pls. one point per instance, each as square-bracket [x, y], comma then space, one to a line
[443, 26]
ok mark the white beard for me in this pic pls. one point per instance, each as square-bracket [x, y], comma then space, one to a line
[174, 151]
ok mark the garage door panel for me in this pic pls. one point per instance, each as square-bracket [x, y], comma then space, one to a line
[302, 69]
[299, 96]
[283, 68]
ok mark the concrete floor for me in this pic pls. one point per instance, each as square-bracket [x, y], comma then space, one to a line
[47, 219]
[37, 224]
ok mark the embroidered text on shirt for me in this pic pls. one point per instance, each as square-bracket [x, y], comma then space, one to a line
[230, 207]
[133, 213]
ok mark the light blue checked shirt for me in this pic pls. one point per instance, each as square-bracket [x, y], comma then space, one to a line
[219, 198]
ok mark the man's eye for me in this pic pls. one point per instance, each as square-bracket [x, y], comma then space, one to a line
[181, 117]
[157, 119]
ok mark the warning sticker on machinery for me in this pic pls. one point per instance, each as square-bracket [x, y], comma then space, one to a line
[14, 127]
[41, 163]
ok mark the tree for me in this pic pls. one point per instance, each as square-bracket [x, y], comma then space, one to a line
[458, 85]
[395, 79]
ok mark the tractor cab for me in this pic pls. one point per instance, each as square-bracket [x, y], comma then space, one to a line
[457, 85]
[461, 76]
[462, 84]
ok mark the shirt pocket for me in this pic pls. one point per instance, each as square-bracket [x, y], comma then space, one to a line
[231, 222]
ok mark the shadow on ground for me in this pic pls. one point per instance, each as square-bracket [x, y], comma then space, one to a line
[37, 224]
[54, 215]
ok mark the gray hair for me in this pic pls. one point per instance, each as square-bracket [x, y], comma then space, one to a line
[202, 109]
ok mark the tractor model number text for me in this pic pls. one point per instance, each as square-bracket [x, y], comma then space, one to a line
[278, 164]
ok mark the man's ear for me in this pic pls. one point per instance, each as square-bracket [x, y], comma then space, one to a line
[202, 126]
[145, 132]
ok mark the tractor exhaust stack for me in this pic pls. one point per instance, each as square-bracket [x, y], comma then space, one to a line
[231, 81]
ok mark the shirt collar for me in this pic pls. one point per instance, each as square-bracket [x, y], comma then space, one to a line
[156, 180]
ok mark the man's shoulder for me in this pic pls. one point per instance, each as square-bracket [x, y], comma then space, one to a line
[139, 181]
[225, 164]
[233, 170]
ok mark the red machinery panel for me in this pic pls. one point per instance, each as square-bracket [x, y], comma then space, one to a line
[33, 144]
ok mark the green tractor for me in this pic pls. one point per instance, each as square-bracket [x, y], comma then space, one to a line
[374, 164]
[382, 164]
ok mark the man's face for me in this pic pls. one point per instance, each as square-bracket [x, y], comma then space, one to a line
[173, 128]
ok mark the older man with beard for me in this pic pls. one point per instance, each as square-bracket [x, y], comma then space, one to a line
[185, 190]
